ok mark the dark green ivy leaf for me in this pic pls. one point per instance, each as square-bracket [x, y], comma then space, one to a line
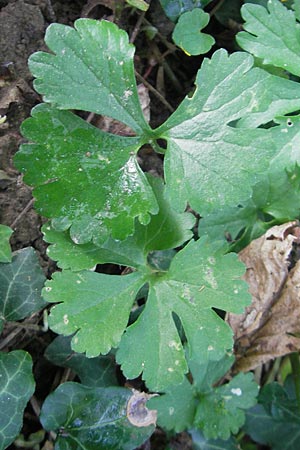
[275, 421]
[5, 251]
[16, 387]
[98, 372]
[21, 283]
[95, 418]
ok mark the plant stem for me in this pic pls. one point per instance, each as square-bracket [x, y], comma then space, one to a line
[295, 363]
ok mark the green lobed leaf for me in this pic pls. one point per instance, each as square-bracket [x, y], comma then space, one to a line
[85, 256]
[275, 200]
[94, 305]
[16, 387]
[5, 250]
[84, 178]
[176, 408]
[167, 229]
[217, 411]
[98, 372]
[272, 34]
[92, 418]
[187, 33]
[200, 277]
[91, 69]
[275, 420]
[21, 283]
[208, 130]
[221, 411]
[208, 374]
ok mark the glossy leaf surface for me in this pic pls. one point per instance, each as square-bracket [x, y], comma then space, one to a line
[16, 387]
[91, 69]
[208, 130]
[272, 34]
[21, 283]
[5, 251]
[187, 33]
[84, 178]
[98, 372]
[167, 229]
[92, 418]
[94, 305]
[200, 277]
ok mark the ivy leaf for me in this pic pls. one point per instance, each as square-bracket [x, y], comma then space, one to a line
[167, 229]
[21, 283]
[5, 251]
[91, 69]
[200, 277]
[208, 130]
[100, 320]
[187, 32]
[272, 34]
[83, 416]
[16, 387]
[175, 8]
[221, 412]
[97, 372]
[67, 165]
[275, 420]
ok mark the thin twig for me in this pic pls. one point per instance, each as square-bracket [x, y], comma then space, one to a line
[24, 211]
[154, 91]
[137, 27]
[4, 342]
[35, 406]
[216, 7]
[163, 62]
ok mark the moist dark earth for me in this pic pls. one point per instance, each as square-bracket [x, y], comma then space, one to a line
[22, 27]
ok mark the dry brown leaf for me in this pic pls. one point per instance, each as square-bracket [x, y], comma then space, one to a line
[270, 325]
[137, 412]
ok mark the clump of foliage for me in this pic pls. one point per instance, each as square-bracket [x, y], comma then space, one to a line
[232, 155]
